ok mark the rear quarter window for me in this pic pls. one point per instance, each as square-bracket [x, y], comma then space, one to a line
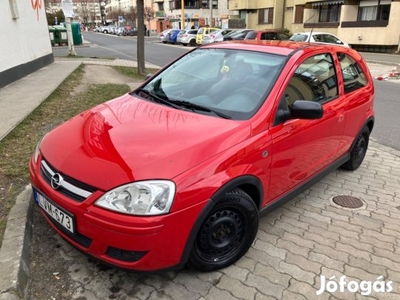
[353, 75]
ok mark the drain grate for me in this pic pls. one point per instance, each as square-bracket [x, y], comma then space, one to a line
[347, 201]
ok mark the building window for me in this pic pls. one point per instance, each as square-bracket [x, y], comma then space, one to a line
[374, 10]
[266, 16]
[298, 14]
[329, 13]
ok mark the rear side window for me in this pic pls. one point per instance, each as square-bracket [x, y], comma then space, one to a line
[353, 75]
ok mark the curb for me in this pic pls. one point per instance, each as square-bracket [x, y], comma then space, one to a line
[15, 250]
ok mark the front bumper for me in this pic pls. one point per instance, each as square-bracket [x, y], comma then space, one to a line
[131, 242]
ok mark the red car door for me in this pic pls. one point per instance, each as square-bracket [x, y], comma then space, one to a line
[301, 147]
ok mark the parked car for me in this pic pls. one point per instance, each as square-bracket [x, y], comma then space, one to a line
[131, 31]
[120, 30]
[318, 37]
[164, 36]
[203, 31]
[187, 37]
[178, 171]
[216, 36]
[237, 35]
[261, 35]
[173, 35]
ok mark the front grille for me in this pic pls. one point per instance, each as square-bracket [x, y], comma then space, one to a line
[125, 255]
[69, 187]
[77, 237]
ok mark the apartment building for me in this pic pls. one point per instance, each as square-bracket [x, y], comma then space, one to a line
[367, 25]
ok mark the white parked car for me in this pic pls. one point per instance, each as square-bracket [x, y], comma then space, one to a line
[216, 36]
[318, 37]
[187, 37]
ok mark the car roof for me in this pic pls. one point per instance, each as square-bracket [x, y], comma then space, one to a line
[279, 47]
[313, 32]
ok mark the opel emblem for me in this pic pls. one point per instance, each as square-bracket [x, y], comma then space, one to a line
[56, 181]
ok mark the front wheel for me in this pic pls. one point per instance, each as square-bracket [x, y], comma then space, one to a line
[226, 234]
[358, 151]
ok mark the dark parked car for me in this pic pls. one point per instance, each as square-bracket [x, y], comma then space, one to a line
[178, 171]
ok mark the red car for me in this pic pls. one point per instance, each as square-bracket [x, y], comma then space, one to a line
[261, 35]
[178, 171]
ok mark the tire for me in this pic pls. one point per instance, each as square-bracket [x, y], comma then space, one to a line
[226, 234]
[192, 43]
[358, 150]
[184, 44]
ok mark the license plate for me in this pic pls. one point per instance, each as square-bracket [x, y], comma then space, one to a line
[58, 214]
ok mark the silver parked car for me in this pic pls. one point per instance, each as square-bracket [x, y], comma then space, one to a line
[216, 36]
[164, 36]
[187, 37]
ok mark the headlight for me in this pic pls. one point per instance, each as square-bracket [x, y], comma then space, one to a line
[37, 151]
[153, 197]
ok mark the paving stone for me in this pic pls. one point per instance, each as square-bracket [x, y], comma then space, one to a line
[292, 247]
[270, 249]
[236, 288]
[356, 244]
[289, 228]
[332, 253]
[303, 263]
[326, 261]
[236, 272]
[390, 264]
[294, 222]
[296, 272]
[289, 295]
[272, 275]
[300, 241]
[351, 250]
[265, 286]
[343, 232]
[314, 222]
[260, 256]
[306, 290]
[192, 283]
[347, 226]
[218, 294]
[376, 243]
[380, 236]
[319, 239]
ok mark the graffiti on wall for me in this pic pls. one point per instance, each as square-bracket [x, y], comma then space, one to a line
[37, 5]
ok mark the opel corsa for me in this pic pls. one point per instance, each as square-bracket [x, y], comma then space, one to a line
[178, 171]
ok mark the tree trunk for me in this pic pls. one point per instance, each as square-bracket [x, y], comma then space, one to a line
[140, 38]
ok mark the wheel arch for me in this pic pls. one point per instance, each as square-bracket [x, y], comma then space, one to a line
[248, 183]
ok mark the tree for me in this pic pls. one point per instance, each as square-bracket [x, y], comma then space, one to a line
[140, 37]
[148, 14]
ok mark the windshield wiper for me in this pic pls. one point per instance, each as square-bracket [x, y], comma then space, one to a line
[195, 106]
[156, 98]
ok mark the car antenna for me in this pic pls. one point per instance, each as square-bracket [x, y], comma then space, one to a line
[312, 29]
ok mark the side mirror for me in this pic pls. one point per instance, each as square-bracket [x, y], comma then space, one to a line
[303, 109]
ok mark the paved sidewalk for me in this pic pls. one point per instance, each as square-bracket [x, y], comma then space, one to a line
[297, 244]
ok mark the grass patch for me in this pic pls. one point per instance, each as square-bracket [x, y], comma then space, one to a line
[17, 147]
[132, 72]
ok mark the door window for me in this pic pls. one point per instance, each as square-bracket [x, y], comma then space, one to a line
[314, 80]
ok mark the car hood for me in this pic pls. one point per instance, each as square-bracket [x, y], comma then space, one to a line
[128, 139]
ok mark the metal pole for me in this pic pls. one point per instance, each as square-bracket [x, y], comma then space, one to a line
[71, 48]
[211, 12]
[182, 14]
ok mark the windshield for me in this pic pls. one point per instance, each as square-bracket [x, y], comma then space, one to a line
[233, 83]
[299, 37]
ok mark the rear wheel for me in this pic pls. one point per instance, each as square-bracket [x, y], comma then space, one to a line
[192, 43]
[226, 234]
[359, 150]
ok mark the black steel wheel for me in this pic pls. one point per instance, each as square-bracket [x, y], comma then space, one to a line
[226, 233]
[359, 150]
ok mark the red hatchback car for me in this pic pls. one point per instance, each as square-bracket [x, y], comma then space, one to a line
[178, 171]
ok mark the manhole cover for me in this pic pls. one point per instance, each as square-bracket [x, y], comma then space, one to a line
[347, 201]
